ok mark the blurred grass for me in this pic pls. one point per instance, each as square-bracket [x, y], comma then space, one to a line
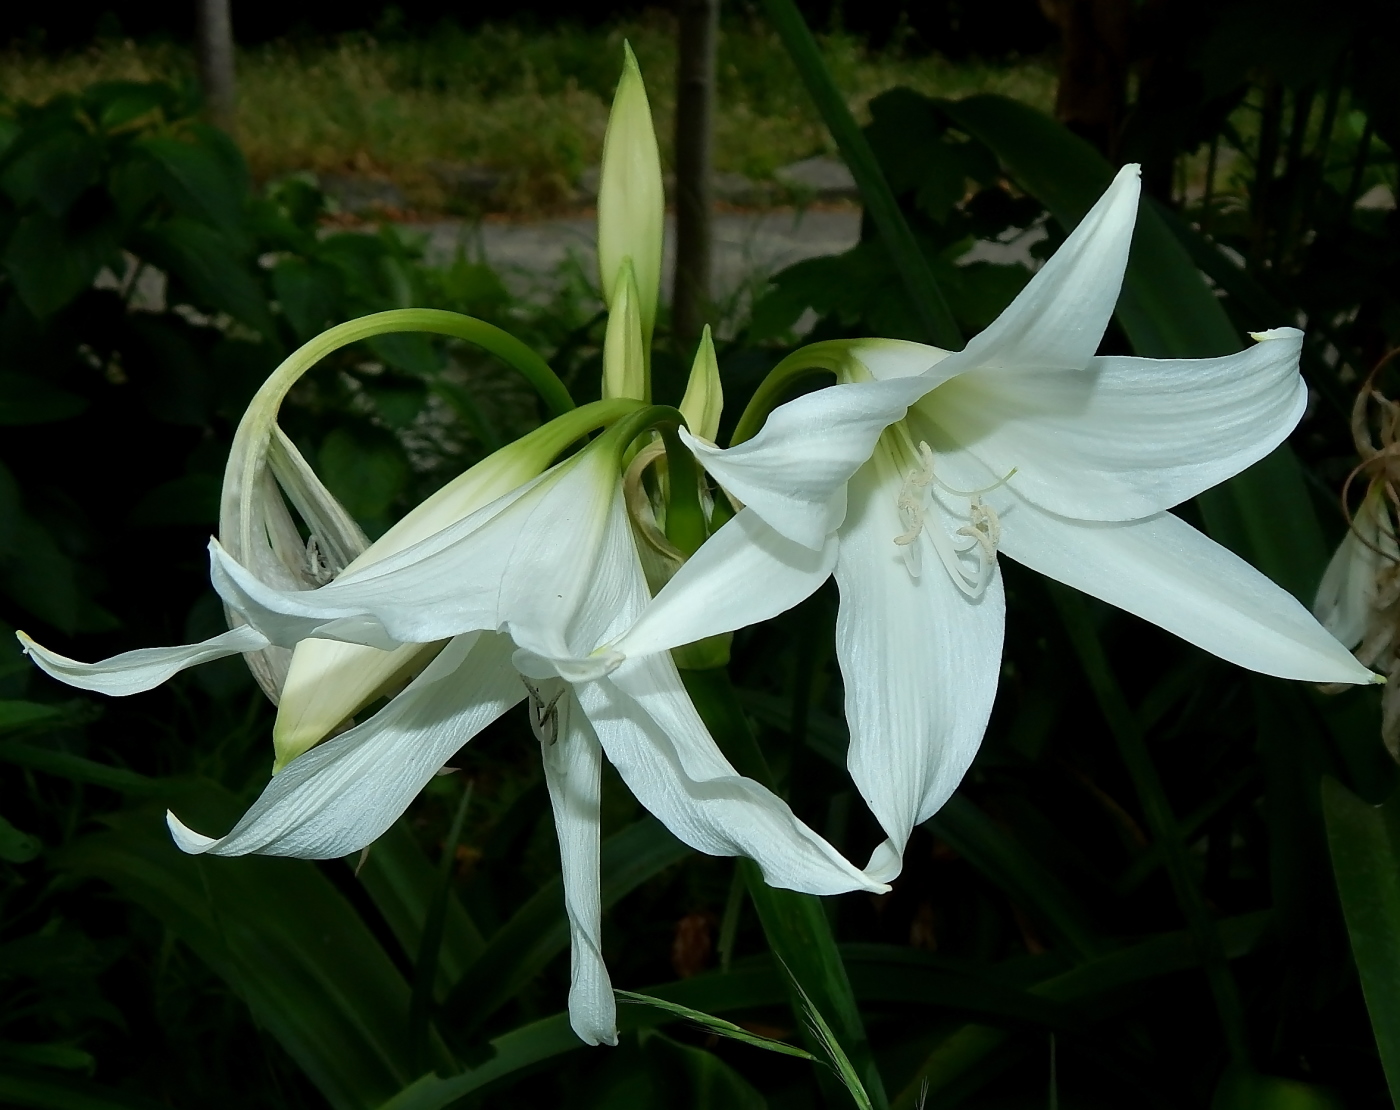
[530, 104]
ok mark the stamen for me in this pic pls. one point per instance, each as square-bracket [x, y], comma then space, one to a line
[977, 540]
[544, 715]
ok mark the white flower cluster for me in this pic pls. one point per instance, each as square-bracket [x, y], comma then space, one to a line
[530, 580]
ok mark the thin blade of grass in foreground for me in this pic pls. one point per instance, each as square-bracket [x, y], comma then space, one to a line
[840, 1062]
[715, 1025]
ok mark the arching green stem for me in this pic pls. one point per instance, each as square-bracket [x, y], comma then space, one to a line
[250, 441]
[629, 427]
[831, 357]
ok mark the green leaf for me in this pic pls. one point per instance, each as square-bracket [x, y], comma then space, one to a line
[278, 933]
[16, 846]
[539, 931]
[1242, 1090]
[192, 499]
[72, 767]
[202, 180]
[1365, 845]
[880, 204]
[365, 468]
[54, 171]
[399, 879]
[24, 714]
[308, 292]
[28, 400]
[42, 1090]
[51, 263]
[208, 264]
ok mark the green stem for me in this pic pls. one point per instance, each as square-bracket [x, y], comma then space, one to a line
[828, 357]
[874, 189]
[1157, 810]
[795, 925]
[250, 441]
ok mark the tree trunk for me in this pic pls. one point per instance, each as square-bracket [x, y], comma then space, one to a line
[695, 100]
[214, 48]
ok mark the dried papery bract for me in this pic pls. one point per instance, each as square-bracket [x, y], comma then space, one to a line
[1358, 600]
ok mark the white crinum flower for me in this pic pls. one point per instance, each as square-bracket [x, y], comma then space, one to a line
[523, 591]
[907, 480]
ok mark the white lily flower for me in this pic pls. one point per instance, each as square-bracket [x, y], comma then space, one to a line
[524, 590]
[907, 481]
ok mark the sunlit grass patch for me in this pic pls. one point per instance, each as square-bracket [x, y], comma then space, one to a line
[529, 105]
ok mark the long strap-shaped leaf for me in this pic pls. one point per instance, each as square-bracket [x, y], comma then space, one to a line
[875, 192]
[1365, 845]
[881, 974]
[280, 935]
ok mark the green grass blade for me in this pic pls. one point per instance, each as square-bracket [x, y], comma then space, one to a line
[875, 192]
[823, 1035]
[539, 931]
[715, 1025]
[1365, 847]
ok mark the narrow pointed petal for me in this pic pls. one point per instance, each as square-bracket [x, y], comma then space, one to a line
[573, 764]
[1163, 570]
[920, 661]
[339, 797]
[793, 473]
[745, 573]
[1059, 318]
[703, 403]
[133, 672]
[653, 736]
[1125, 437]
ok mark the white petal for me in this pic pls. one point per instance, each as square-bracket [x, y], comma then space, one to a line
[1166, 572]
[573, 766]
[653, 736]
[133, 672]
[1059, 318]
[485, 571]
[1346, 595]
[920, 661]
[339, 797]
[893, 358]
[793, 472]
[1124, 438]
[743, 574]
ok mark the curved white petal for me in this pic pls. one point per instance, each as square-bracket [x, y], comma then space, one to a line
[1346, 595]
[1058, 319]
[920, 660]
[793, 472]
[573, 763]
[536, 559]
[653, 736]
[339, 797]
[1165, 571]
[745, 573]
[1123, 438]
[133, 672]
[893, 358]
